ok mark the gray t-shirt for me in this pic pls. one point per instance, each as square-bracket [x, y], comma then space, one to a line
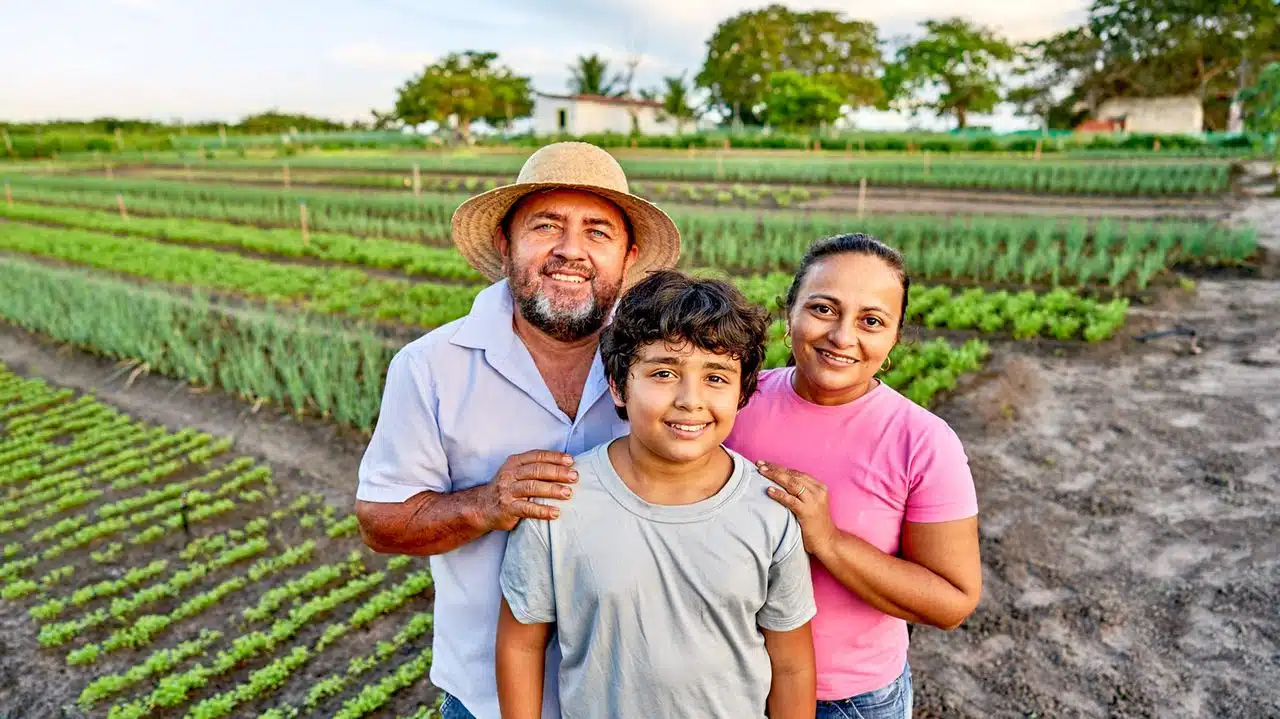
[658, 608]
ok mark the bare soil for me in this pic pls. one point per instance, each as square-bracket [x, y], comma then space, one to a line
[1129, 508]
[1129, 513]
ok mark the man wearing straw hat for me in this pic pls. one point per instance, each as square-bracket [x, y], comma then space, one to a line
[485, 413]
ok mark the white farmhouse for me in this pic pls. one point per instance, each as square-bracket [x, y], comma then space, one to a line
[1160, 115]
[590, 114]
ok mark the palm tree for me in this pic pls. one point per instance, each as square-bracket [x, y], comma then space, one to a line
[675, 101]
[590, 76]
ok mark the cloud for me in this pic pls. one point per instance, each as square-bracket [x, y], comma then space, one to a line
[375, 56]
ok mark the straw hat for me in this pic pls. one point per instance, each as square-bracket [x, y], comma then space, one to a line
[569, 165]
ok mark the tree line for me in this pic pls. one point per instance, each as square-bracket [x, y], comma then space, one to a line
[802, 69]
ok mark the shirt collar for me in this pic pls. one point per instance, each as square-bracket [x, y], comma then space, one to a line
[488, 327]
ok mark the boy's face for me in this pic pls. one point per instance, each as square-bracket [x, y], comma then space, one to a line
[681, 400]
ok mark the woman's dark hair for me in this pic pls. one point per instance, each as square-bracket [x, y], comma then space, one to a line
[857, 244]
[673, 307]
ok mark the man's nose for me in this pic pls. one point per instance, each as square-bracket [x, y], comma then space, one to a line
[572, 245]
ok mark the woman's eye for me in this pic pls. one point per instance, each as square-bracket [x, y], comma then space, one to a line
[873, 321]
[822, 309]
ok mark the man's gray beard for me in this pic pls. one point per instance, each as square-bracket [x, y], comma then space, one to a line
[563, 325]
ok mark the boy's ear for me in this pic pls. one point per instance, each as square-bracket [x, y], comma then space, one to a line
[618, 401]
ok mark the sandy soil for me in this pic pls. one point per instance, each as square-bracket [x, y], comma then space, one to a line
[1129, 510]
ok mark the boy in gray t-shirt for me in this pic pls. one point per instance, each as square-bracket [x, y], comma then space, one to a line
[673, 585]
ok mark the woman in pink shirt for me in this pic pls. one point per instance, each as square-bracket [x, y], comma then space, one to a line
[881, 487]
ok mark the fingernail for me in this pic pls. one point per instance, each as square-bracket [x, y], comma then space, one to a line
[555, 514]
[567, 493]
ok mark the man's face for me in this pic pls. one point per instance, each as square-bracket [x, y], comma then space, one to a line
[565, 261]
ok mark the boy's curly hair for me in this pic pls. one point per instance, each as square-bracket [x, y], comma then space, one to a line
[673, 307]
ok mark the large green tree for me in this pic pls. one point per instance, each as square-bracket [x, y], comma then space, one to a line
[1187, 44]
[956, 60]
[748, 48]
[1262, 101]
[795, 101]
[1150, 48]
[589, 75]
[469, 86]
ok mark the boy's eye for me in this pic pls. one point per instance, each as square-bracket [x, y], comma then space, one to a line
[664, 374]
[717, 378]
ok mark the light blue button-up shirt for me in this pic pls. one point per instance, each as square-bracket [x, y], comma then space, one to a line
[458, 401]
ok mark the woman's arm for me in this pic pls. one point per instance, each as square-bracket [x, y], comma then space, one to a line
[793, 694]
[522, 651]
[937, 581]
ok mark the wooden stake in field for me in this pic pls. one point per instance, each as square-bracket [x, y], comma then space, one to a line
[1039, 147]
[862, 196]
[848, 147]
[8, 194]
[119, 139]
[120, 204]
[633, 143]
[302, 219]
[1155, 146]
[286, 175]
[8, 142]
[417, 180]
[726, 143]
[222, 134]
[817, 145]
[926, 163]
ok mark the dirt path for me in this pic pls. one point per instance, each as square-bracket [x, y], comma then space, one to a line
[1129, 524]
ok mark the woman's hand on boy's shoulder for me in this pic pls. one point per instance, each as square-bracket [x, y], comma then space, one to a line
[806, 497]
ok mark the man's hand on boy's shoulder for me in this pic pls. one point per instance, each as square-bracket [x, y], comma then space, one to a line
[536, 473]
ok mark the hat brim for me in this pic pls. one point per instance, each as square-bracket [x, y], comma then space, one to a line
[474, 222]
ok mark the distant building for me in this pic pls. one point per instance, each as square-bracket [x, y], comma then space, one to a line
[1156, 115]
[590, 114]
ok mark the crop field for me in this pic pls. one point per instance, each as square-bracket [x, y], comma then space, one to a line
[160, 569]
[173, 577]
[1046, 176]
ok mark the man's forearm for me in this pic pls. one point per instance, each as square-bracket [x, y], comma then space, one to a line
[425, 524]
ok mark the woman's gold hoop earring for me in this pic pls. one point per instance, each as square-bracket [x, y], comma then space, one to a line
[786, 340]
[888, 364]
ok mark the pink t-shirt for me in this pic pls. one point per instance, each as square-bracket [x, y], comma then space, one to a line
[885, 460]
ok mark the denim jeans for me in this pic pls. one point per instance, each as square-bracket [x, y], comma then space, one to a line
[453, 709]
[888, 702]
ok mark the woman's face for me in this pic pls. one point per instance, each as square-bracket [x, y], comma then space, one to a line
[844, 322]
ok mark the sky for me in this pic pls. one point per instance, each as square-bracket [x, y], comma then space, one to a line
[171, 59]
